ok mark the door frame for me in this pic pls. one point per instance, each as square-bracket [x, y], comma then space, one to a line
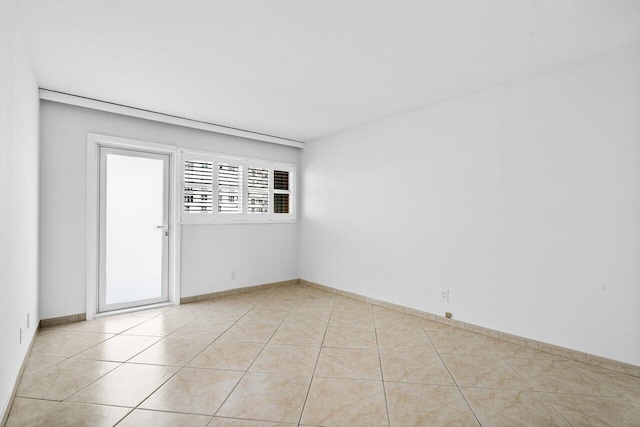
[94, 143]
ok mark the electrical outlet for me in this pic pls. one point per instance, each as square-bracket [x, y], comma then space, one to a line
[444, 295]
[233, 275]
[28, 322]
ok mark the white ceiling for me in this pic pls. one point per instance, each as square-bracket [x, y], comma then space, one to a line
[302, 69]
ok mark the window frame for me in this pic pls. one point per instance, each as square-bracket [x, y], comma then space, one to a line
[244, 217]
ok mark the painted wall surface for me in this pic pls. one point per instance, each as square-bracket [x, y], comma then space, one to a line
[18, 201]
[260, 253]
[522, 200]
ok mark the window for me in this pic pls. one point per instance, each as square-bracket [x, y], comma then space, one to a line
[223, 189]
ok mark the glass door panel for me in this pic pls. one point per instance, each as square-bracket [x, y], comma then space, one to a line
[134, 213]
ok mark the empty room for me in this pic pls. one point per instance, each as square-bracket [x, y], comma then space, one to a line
[320, 213]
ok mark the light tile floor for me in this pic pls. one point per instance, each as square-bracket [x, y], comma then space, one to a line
[300, 356]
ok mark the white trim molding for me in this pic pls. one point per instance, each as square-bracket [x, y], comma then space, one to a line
[94, 104]
[94, 142]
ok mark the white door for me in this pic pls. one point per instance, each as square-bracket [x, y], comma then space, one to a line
[134, 233]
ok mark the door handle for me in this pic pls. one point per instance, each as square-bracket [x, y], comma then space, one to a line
[162, 226]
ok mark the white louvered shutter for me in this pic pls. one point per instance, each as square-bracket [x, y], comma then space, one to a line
[281, 191]
[257, 190]
[198, 187]
[229, 188]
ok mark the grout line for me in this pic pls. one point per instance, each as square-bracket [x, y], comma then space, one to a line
[553, 406]
[535, 390]
[87, 385]
[326, 328]
[254, 360]
[149, 395]
[384, 388]
[162, 411]
[451, 375]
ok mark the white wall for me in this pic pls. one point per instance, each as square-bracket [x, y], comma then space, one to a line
[523, 200]
[260, 253]
[18, 200]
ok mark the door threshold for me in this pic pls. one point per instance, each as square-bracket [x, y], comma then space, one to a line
[133, 309]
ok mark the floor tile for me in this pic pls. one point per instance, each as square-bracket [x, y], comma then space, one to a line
[345, 402]
[60, 381]
[299, 334]
[171, 351]
[350, 338]
[108, 325]
[66, 344]
[390, 319]
[37, 362]
[352, 319]
[413, 367]
[119, 348]
[128, 385]
[267, 397]
[512, 408]
[404, 340]
[33, 412]
[232, 355]
[507, 349]
[350, 304]
[194, 391]
[483, 371]
[196, 308]
[234, 422]
[286, 359]
[425, 405]
[317, 316]
[460, 343]
[159, 326]
[246, 331]
[594, 411]
[224, 316]
[141, 417]
[625, 386]
[431, 326]
[275, 305]
[201, 329]
[558, 376]
[311, 303]
[349, 363]
[150, 313]
[270, 316]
